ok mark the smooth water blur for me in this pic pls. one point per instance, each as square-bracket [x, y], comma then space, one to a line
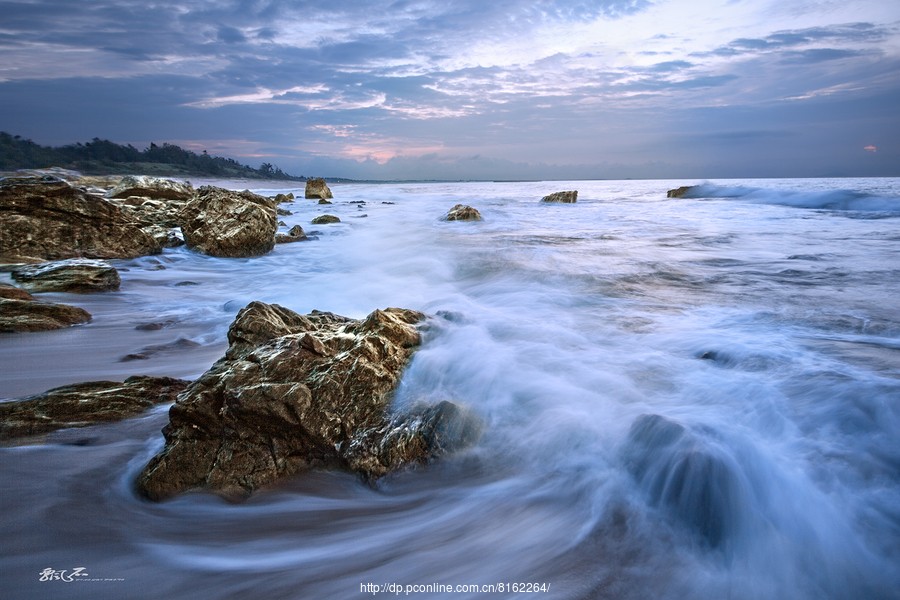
[686, 398]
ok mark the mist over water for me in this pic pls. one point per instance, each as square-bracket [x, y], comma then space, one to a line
[685, 398]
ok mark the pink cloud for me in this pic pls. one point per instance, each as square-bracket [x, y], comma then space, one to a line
[870, 148]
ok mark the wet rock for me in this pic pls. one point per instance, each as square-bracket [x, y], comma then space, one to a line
[295, 392]
[151, 187]
[462, 212]
[223, 223]
[679, 192]
[153, 212]
[562, 197]
[149, 351]
[103, 182]
[685, 474]
[324, 202]
[20, 315]
[11, 292]
[317, 188]
[50, 219]
[156, 325]
[84, 404]
[325, 219]
[357, 202]
[165, 236]
[79, 275]
[279, 198]
[282, 212]
[296, 234]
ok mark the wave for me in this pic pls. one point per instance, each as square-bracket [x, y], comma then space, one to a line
[831, 199]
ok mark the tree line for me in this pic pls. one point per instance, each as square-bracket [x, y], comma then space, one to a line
[102, 157]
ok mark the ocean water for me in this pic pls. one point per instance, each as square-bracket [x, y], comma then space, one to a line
[684, 398]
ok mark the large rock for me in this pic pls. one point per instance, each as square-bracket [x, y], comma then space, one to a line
[462, 212]
[317, 188]
[151, 187]
[79, 275]
[224, 223]
[20, 314]
[44, 217]
[295, 392]
[569, 197]
[679, 192]
[84, 404]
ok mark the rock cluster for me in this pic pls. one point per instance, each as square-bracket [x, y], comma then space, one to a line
[295, 392]
[224, 223]
[48, 218]
[84, 404]
[569, 197]
[462, 212]
[79, 275]
[20, 312]
[317, 188]
[679, 192]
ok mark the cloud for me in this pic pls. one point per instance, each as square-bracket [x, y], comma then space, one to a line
[870, 149]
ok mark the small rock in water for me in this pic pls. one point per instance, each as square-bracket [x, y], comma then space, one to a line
[283, 212]
[324, 202]
[156, 325]
[317, 188]
[20, 315]
[679, 192]
[78, 275]
[181, 283]
[569, 197]
[325, 220]
[462, 212]
[144, 354]
[12, 292]
[279, 198]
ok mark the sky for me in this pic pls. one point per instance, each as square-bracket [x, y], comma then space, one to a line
[468, 89]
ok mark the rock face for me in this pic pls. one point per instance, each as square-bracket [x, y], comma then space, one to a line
[49, 218]
[79, 275]
[325, 219]
[295, 392]
[316, 188]
[462, 212]
[679, 192]
[20, 314]
[151, 187]
[223, 223]
[295, 234]
[563, 197]
[84, 404]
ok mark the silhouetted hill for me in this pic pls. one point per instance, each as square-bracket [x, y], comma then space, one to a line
[102, 157]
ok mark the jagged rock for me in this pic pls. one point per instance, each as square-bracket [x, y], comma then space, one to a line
[153, 211]
[84, 404]
[166, 236]
[151, 187]
[20, 314]
[223, 223]
[80, 275]
[104, 182]
[282, 212]
[325, 219]
[679, 192]
[317, 188]
[49, 218]
[293, 392]
[462, 212]
[563, 197]
[279, 198]
[295, 234]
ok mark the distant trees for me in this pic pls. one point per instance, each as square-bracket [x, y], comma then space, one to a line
[103, 156]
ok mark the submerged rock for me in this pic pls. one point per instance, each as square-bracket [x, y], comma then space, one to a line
[223, 223]
[282, 212]
[295, 392]
[151, 187]
[462, 212]
[563, 197]
[317, 188]
[84, 404]
[19, 314]
[679, 192]
[325, 219]
[79, 275]
[295, 234]
[50, 219]
[325, 202]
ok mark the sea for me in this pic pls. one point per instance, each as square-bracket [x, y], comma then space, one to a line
[689, 397]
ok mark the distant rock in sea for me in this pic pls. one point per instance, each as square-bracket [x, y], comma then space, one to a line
[462, 212]
[679, 192]
[295, 392]
[325, 219]
[279, 198]
[317, 188]
[562, 197]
